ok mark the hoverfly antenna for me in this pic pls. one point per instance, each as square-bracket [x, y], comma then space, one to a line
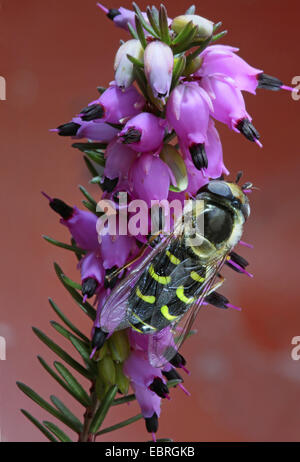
[248, 187]
[238, 177]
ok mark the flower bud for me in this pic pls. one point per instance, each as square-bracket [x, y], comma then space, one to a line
[159, 61]
[205, 27]
[119, 346]
[121, 380]
[107, 370]
[124, 73]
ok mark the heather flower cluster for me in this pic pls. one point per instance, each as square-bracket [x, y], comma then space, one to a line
[154, 132]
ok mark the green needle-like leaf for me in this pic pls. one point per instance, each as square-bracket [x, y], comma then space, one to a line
[151, 18]
[57, 432]
[88, 196]
[66, 412]
[183, 34]
[135, 61]
[217, 26]
[62, 354]
[68, 323]
[86, 307]
[146, 26]
[121, 424]
[178, 70]
[191, 10]
[60, 381]
[90, 166]
[45, 405]
[187, 43]
[72, 382]
[89, 146]
[84, 352]
[71, 283]
[90, 207]
[219, 36]
[73, 248]
[140, 32]
[163, 24]
[39, 426]
[103, 409]
[132, 31]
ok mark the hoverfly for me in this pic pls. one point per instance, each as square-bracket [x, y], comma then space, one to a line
[162, 296]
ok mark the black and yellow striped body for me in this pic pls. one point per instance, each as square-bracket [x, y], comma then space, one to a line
[165, 290]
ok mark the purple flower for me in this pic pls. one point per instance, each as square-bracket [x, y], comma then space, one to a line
[114, 105]
[222, 59]
[149, 387]
[144, 132]
[115, 250]
[121, 16]
[229, 105]
[82, 226]
[78, 129]
[92, 273]
[149, 177]
[185, 101]
[158, 62]
[119, 159]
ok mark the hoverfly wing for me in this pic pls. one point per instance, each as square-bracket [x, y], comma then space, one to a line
[164, 344]
[116, 310]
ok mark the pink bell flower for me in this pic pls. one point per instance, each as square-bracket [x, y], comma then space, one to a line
[114, 105]
[149, 178]
[144, 132]
[158, 62]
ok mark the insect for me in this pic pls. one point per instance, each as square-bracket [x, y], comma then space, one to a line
[162, 296]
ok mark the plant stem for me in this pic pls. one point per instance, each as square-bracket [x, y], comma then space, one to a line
[85, 436]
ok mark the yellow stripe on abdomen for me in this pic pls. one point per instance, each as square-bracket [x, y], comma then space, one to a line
[145, 298]
[172, 258]
[161, 279]
[165, 312]
[196, 276]
[182, 297]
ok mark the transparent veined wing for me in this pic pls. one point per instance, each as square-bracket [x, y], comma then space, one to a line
[116, 310]
[164, 344]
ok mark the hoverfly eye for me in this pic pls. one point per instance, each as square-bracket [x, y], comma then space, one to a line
[236, 204]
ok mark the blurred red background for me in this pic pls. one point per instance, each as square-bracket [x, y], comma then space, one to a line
[244, 384]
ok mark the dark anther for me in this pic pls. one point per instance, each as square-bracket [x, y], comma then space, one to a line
[69, 129]
[172, 374]
[268, 82]
[199, 156]
[152, 423]
[159, 387]
[109, 185]
[248, 130]
[92, 112]
[217, 300]
[112, 13]
[178, 360]
[99, 338]
[60, 207]
[89, 287]
[131, 136]
[110, 282]
[239, 260]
